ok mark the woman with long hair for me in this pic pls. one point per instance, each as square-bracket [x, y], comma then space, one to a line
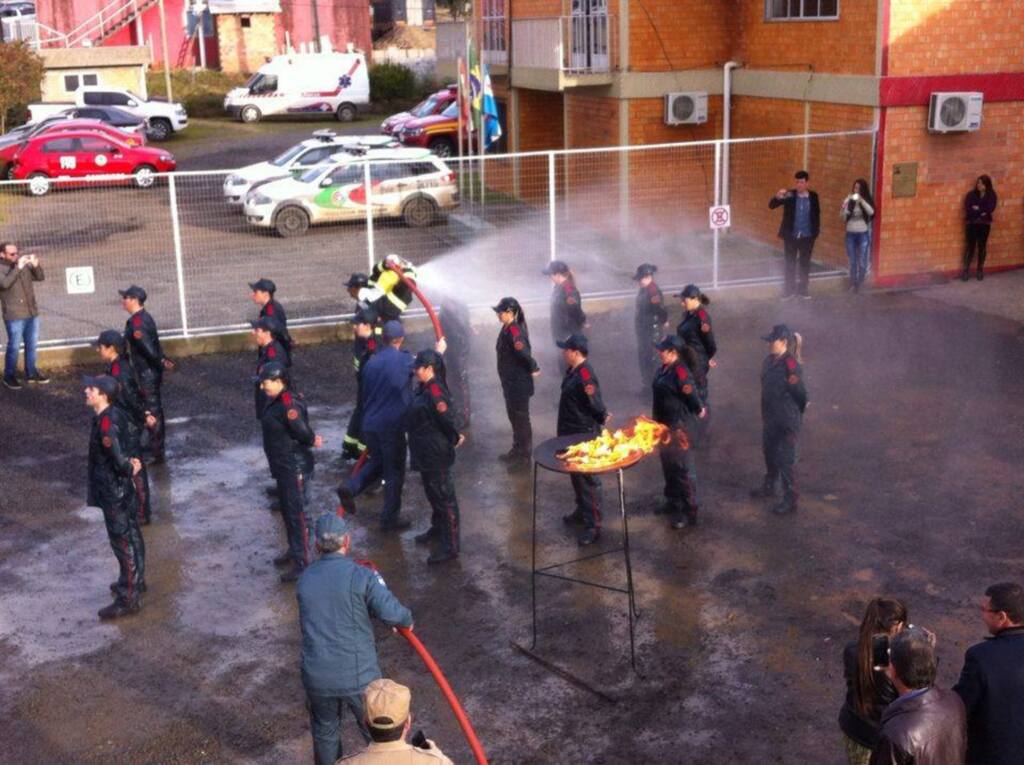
[697, 336]
[979, 204]
[868, 690]
[516, 370]
[857, 211]
[567, 315]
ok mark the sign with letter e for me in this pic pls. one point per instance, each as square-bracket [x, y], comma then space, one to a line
[719, 216]
[80, 280]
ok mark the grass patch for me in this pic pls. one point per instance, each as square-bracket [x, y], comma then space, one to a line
[200, 91]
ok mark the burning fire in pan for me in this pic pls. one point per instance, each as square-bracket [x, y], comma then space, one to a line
[622, 447]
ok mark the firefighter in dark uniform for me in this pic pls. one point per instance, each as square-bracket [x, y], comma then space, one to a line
[148, 363]
[783, 401]
[110, 489]
[110, 346]
[384, 290]
[458, 335]
[263, 291]
[433, 437]
[567, 315]
[677, 404]
[582, 412]
[650, 320]
[366, 341]
[698, 336]
[516, 370]
[288, 441]
[269, 349]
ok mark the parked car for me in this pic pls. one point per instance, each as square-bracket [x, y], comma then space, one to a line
[411, 184]
[84, 153]
[435, 103]
[334, 84]
[297, 160]
[7, 151]
[164, 118]
[438, 132]
[18, 134]
[111, 115]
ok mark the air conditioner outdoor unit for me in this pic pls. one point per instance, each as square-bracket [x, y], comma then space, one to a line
[954, 112]
[686, 108]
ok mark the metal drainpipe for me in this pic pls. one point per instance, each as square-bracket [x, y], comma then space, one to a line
[726, 126]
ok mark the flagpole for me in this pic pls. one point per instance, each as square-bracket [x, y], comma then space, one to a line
[458, 91]
[469, 129]
[483, 139]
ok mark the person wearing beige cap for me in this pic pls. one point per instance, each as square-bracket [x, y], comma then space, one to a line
[386, 704]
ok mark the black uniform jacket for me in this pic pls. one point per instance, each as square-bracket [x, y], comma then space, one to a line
[650, 308]
[129, 398]
[516, 365]
[676, 400]
[696, 333]
[430, 424]
[110, 467]
[143, 344]
[783, 394]
[580, 409]
[362, 349]
[276, 310]
[287, 437]
[567, 314]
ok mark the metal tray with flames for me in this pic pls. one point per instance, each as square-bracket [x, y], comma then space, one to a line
[552, 453]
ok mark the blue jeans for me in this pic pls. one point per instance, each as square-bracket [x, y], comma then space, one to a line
[858, 250]
[325, 713]
[18, 331]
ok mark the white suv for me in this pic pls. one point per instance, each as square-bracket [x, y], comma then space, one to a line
[411, 184]
[297, 160]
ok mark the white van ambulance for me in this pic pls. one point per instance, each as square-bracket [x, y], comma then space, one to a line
[303, 83]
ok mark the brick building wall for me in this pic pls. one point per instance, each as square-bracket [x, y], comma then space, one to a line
[245, 49]
[668, 35]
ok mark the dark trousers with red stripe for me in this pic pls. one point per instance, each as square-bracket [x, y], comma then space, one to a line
[292, 489]
[680, 473]
[444, 520]
[780, 453]
[143, 507]
[589, 494]
[126, 542]
[518, 410]
[153, 401]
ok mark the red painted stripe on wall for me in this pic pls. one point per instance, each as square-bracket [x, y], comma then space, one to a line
[915, 91]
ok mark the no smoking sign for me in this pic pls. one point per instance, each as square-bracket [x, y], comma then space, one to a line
[719, 216]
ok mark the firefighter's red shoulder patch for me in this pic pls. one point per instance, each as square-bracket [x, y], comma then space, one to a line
[681, 372]
[513, 330]
[286, 398]
[105, 424]
[371, 345]
[702, 314]
[115, 369]
[584, 373]
[137, 320]
[270, 309]
[791, 363]
[271, 352]
[435, 390]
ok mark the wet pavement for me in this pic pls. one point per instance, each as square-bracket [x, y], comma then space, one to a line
[911, 487]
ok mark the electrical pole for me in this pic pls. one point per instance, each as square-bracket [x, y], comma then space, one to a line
[167, 53]
[316, 27]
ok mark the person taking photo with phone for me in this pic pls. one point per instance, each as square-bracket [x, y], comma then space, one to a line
[21, 313]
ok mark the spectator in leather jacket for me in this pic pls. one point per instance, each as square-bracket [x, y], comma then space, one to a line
[148, 362]
[925, 725]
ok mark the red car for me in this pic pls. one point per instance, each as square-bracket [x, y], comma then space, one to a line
[82, 153]
[129, 137]
[438, 132]
[433, 104]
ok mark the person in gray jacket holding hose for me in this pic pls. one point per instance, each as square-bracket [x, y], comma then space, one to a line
[21, 314]
[337, 596]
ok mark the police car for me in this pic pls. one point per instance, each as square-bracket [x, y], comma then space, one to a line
[297, 160]
[411, 184]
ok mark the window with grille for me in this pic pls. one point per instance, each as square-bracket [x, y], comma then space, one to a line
[787, 10]
[494, 25]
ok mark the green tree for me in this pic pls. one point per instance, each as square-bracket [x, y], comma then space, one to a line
[21, 73]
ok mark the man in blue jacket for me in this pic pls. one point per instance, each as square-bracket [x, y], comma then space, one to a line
[337, 597]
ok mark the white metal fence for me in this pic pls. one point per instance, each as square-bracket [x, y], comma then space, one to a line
[603, 211]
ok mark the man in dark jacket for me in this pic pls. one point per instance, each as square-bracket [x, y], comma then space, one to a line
[263, 291]
[801, 224]
[21, 314]
[925, 725]
[337, 597]
[992, 681]
[148, 362]
[581, 411]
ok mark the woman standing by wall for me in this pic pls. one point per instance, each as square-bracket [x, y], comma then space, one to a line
[857, 211]
[979, 204]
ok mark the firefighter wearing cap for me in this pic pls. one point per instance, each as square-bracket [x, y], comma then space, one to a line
[269, 350]
[567, 315]
[697, 335]
[110, 472]
[148, 362]
[458, 336]
[288, 442]
[385, 291]
[433, 437]
[582, 412]
[650, 319]
[110, 345]
[677, 404]
[366, 341]
[516, 370]
[263, 291]
[783, 401]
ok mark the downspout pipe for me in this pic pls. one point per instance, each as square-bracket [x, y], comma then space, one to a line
[726, 127]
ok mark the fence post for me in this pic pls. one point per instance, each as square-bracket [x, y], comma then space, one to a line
[176, 234]
[371, 258]
[551, 204]
[718, 201]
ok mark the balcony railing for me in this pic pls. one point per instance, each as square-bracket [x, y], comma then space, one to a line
[573, 45]
[451, 41]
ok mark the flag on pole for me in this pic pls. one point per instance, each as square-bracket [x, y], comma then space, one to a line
[464, 96]
[475, 81]
[491, 124]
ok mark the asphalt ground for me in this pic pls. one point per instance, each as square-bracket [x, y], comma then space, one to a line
[910, 476]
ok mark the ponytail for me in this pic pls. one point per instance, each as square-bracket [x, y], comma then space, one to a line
[797, 350]
[521, 319]
[704, 299]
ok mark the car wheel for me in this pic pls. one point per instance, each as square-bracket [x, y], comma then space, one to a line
[144, 177]
[345, 113]
[419, 212]
[160, 130]
[38, 184]
[291, 221]
[442, 147]
[250, 114]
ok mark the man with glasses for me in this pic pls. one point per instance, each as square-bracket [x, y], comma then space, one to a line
[21, 314]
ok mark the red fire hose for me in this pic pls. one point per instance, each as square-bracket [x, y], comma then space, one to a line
[449, 694]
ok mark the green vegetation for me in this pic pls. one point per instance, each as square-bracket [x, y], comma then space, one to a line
[200, 91]
[21, 73]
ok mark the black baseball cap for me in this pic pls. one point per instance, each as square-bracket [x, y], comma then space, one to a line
[104, 383]
[507, 304]
[690, 291]
[357, 280]
[109, 337]
[644, 269]
[268, 324]
[670, 343]
[575, 342]
[263, 285]
[555, 267]
[134, 291]
[273, 370]
[428, 358]
[778, 332]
